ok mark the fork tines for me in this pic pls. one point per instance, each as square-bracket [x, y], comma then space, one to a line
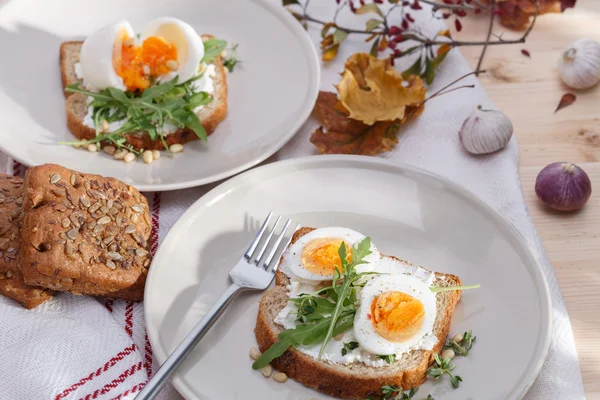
[268, 242]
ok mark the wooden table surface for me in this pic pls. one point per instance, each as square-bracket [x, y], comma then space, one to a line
[528, 90]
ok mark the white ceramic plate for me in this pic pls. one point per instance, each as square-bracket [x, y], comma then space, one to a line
[270, 94]
[408, 213]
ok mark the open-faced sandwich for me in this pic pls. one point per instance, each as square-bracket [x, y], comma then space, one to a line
[156, 90]
[345, 320]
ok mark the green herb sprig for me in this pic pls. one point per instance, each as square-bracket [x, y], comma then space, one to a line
[349, 346]
[388, 358]
[461, 348]
[444, 367]
[390, 392]
[231, 61]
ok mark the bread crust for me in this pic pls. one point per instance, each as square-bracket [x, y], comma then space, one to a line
[69, 55]
[108, 221]
[11, 280]
[347, 381]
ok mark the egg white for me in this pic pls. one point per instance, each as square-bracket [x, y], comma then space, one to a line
[96, 56]
[365, 333]
[190, 48]
[291, 263]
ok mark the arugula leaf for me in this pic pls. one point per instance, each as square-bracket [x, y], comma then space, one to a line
[147, 111]
[451, 288]
[305, 334]
[212, 49]
[159, 90]
[359, 252]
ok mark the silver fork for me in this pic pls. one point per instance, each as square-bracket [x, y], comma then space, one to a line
[248, 273]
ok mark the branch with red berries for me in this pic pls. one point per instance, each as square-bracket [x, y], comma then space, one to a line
[404, 38]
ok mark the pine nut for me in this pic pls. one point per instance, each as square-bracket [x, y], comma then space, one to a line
[280, 377]
[120, 154]
[339, 337]
[176, 148]
[92, 147]
[129, 42]
[267, 371]
[458, 337]
[9, 274]
[109, 150]
[448, 353]
[172, 65]
[129, 157]
[105, 125]
[254, 353]
[146, 69]
[147, 156]
[156, 154]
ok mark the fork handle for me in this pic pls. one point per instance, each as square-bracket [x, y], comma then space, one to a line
[165, 371]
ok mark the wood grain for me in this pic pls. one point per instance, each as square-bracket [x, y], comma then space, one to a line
[528, 90]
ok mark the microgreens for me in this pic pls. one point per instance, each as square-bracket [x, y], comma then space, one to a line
[322, 318]
[147, 112]
[349, 346]
[462, 348]
[444, 367]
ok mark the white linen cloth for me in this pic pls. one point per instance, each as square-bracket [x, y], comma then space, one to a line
[77, 347]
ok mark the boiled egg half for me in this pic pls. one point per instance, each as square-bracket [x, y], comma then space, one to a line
[396, 313]
[114, 57]
[314, 256]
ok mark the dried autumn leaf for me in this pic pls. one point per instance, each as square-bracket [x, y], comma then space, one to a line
[374, 139]
[516, 14]
[334, 116]
[566, 100]
[372, 90]
[349, 136]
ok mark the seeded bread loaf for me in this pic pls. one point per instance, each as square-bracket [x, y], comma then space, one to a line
[82, 233]
[76, 104]
[356, 380]
[11, 280]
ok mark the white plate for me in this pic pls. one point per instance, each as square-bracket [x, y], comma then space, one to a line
[270, 94]
[408, 213]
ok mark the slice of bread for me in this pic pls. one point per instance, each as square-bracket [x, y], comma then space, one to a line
[356, 380]
[76, 104]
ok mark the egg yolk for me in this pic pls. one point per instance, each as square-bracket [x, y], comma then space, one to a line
[321, 257]
[136, 65]
[396, 316]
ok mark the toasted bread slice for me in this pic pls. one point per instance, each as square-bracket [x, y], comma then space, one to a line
[76, 104]
[356, 380]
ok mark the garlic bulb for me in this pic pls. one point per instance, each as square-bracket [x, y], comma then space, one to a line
[579, 66]
[485, 131]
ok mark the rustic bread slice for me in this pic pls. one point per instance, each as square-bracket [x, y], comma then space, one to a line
[353, 381]
[76, 104]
